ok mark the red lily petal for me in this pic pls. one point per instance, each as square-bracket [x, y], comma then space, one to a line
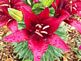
[54, 5]
[13, 25]
[44, 14]
[15, 1]
[79, 13]
[75, 23]
[77, 5]
[38, 48]
[56, 41]
[3, 23]
[63, 15]
[4, 9]
[28, 17]
[57, 2]
[21, 6]
[53, 23]
[3, 19]
[4, 2]
[18, 36]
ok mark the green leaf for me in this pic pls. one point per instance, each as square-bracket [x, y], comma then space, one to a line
[37, 8]
[62, 31]
[46, 3]
[27, 60]
[16, 14]
[29, 2]
[24, 53]
[21, 25]
[37, 5]
[52, 11]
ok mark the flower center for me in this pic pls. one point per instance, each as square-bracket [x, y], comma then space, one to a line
[41, 29]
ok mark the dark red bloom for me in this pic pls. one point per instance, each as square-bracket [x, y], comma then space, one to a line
[5, 18]
[39, 32]
[73, 7]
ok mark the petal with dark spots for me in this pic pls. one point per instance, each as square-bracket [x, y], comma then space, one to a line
[63, 15]
[18, 36]
[38, 48]
[56, 41]
[44, 14]
[15, 1]
[29, 17]
[53, 24]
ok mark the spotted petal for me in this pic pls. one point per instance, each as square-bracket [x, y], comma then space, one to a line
[28, 17]
[18, 36]
[56, 41]
[15, 1]
[44, 14]
[38, 48]
[63, 15]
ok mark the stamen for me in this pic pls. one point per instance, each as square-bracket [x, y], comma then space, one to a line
[44, 32]
[45, 27]
[70, 1]
[38, 25]
[75, 5]
[9, 20]
[38, 33]
[4, 5]
[9, 0]
[74, 8]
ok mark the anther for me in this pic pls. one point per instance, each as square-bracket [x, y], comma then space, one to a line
[4, 5]
[74, 8]
[1, 10]
[44, 32]
[45, 27]
[38, 25]
[38, 33]
[70, 1]
[9, 0]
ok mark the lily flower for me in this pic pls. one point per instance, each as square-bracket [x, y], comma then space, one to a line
[5, 18]
[73, 7]
[39, 32]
